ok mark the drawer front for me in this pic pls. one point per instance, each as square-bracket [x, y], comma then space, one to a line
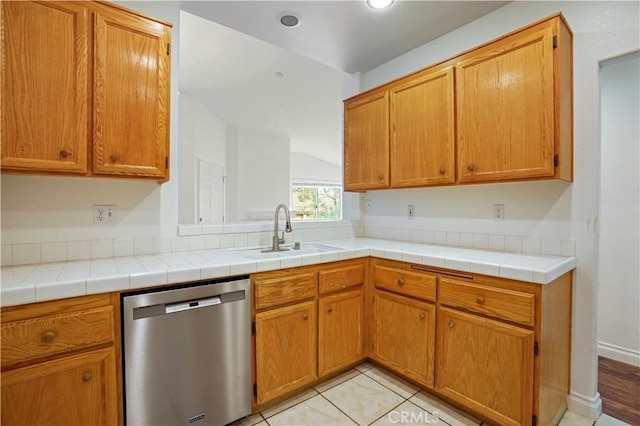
[282, 290]
[500, 303]
[55, 334]
[341, 278]
[414, 284]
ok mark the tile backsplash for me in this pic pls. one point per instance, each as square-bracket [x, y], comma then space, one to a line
[204, 237]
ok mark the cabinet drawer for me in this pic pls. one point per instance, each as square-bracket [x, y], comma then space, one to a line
[54, 334]
[414, 284]
[341, 278]
[500, 303]
[281, 290]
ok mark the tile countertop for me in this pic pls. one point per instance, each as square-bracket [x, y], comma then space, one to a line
[49, 281]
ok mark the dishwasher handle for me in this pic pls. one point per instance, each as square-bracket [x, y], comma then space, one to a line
[193, 304]
[186, 305]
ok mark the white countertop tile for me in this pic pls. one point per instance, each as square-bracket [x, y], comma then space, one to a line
[34, 283]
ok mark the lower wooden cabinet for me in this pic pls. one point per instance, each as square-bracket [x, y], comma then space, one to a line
[59, 363]
[309, 322]
[487, 364]
[404, 335]
[286, 349]
[75, 390]
[340, 331]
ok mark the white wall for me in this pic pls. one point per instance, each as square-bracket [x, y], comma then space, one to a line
[547, 211]
[263, 178]
[312, 169]
[41, 208]
[619, 245]
[202, 136]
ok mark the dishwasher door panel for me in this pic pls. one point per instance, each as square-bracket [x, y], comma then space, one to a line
[187, 355]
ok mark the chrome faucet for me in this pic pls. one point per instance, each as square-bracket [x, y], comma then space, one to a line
[276, 239]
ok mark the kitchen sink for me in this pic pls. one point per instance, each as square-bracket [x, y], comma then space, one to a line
[290, 250]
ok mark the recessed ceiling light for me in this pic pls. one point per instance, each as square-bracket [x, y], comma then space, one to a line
[289, 20]
[379, 4]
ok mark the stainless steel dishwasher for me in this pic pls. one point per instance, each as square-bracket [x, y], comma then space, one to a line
[187, 354]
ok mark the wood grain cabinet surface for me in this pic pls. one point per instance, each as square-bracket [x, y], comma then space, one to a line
[85, 90]
[499, 348]
[366, 146]
[60, 363]
[499, 112]
[309, 323]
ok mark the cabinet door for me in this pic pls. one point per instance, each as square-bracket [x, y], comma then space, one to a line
[131, 95]
[77, 390]
[340, 331]
[505, 109]
[44, 86]
[487, 365]
[285, 349]
[423, 131]
[403, 335]
[366, 143]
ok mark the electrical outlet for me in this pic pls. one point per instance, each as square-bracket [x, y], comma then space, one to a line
[104, 214]
[369, 205]
[411, 211]
[498, 212]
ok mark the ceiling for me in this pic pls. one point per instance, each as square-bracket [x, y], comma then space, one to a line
[346, 35]
[229, 60]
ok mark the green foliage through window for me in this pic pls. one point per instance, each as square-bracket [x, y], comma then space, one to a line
[316, 201]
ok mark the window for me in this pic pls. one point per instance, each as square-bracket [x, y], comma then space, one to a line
[316, 201]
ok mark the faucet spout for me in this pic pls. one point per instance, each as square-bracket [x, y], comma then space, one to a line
[276, 239]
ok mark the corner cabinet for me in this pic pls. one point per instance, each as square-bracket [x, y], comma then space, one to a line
[59, 363]
[499, 112]
[85, 90]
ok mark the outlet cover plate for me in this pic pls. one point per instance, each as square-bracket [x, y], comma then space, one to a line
[104, 214]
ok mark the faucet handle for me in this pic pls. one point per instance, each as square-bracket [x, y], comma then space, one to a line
[282, 238]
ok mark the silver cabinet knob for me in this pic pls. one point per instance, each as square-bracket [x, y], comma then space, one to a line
[400, 282]
[64, 153]
[329, 309]
[114, 157]
[305, 316]
[471, 167]
[86, 377]
[450, 324]
[421, 316]
[480, 300]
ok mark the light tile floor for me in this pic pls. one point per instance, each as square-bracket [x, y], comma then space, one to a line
[370, 395]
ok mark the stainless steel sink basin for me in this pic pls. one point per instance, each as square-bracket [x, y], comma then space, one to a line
[289, 250]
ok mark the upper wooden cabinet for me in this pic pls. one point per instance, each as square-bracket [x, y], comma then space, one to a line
[366, 147]
[509, 111]
[85, 90]
[498, 112]
[44, 86]
[423, 130]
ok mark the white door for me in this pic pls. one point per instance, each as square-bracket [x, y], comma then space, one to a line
[210, 192]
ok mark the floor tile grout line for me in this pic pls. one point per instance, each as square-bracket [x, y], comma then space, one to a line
[285, 409]
[397, 393]
[338, 408]
[387, 412]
